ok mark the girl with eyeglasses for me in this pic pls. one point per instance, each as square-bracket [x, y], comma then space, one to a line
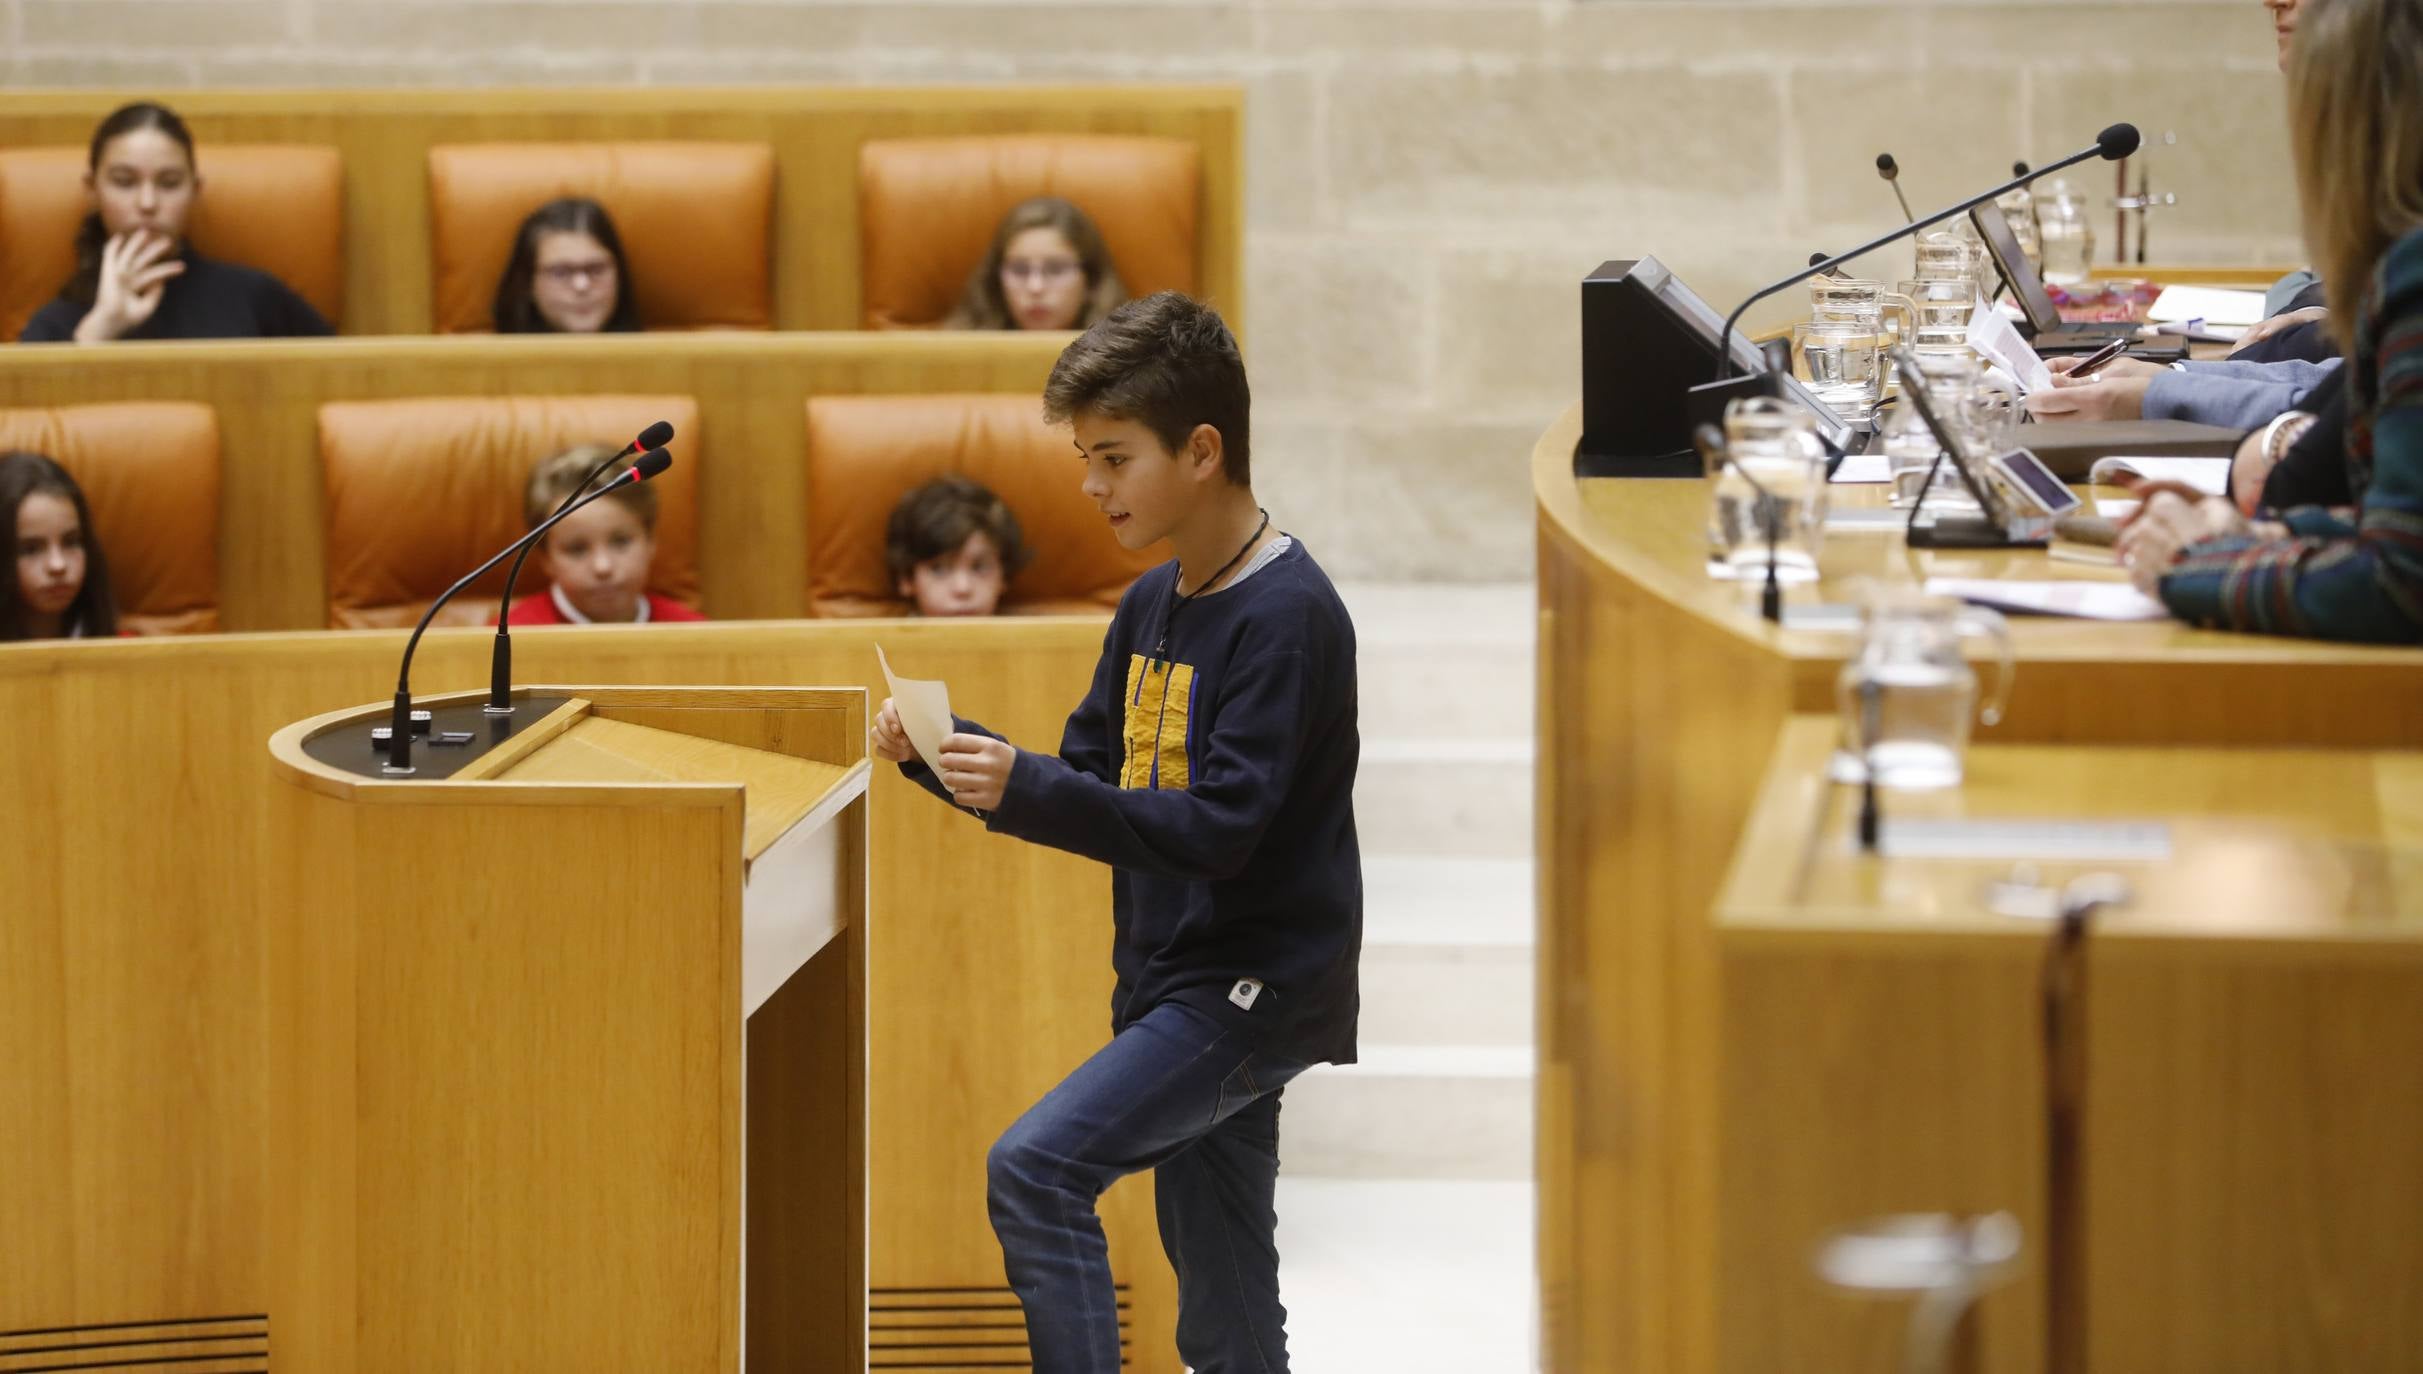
[1046, 269]
[567, 274]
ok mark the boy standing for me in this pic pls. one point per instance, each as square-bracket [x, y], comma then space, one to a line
[1212, 765]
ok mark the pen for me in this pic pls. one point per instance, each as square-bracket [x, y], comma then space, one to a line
[2087, 365]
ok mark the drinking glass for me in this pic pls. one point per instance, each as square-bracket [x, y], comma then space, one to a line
[1766, 493]
[1841, 356]
[2065, 233]
[1907, 694]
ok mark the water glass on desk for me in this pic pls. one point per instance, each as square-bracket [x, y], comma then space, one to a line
[1951, 375]
[1766, 493]
[2065, 234]
[1941, 303]
[1842, 358]
[1860, 301]
[1906, 695]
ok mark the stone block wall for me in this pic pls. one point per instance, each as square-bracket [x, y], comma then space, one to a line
[1428, 179]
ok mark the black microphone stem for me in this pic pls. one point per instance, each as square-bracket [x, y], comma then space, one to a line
[399, 726]
[1871, 723]
[500, 657]
[1724, 350]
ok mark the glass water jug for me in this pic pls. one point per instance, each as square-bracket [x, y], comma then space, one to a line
[1907, 694]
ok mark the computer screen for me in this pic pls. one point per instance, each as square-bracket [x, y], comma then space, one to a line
[2017, 272]
[1685, 305]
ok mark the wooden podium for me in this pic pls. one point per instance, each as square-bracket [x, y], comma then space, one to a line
[568, 1035]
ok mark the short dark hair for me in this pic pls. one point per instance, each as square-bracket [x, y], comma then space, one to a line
[937, 517]
[21, 476]
[1166, 361]
[515, 312]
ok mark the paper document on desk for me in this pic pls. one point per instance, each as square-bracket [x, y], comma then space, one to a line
[1994, 336]
[2212, 304]
[2207, 475]
[925, 711]
[1861, 468]
[2077, 600]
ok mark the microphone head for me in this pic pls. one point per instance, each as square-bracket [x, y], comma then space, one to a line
[651, 463]
[2117, 142]
[1887, 168]
[1816, 258]
[654, 436]
[2019, 169]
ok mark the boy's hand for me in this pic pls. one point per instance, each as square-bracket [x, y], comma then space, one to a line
[977, 770]
[887, 739]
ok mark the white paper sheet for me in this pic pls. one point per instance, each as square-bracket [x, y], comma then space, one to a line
[925, 711]
[2212, 304]
[2077, 600]
[1863, 468]
[2207, 475]
[1998, 339]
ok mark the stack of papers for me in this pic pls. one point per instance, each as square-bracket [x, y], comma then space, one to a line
[2211, 304]
[2207, 475]
[1999, 341]
[2077, 600]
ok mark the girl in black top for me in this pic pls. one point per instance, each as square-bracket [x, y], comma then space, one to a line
[61, 586]
[567, 274]
[136, 278]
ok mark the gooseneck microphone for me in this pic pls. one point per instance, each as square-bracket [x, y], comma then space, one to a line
[1890, 170]
[399, 730]
[2111, 145]
[500, 659]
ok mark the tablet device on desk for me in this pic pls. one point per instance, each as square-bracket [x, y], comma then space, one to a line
[2033, 484]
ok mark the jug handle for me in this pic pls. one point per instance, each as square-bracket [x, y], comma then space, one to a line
[1894, 300]
[1974, 619]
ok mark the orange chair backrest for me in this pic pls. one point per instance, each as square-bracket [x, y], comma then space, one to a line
[150, 473]
[928, 207]
[279, 207]
[866, 452]
[694, 219]
[419, 492]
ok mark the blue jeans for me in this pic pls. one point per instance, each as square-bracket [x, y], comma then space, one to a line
[1181, 1095]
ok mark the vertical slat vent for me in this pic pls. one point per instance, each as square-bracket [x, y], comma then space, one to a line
[957, 1330]
[171, 1345]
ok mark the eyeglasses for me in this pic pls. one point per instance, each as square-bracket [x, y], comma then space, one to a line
[1049, 270]
[565, 273]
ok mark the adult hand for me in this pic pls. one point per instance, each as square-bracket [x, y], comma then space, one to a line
[977, 770]
[2101, 400]
[2064, 370]
[2166, 525]
[128, 293]
[2249, 468]
[887, 738]
[2279, 324]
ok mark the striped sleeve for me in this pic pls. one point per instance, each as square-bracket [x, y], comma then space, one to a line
[2337, 578]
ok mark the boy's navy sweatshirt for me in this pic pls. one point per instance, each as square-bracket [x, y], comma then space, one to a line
[1217, 780]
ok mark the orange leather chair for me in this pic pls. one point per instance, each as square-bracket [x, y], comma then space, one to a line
[150, 473]
[927, 209]
[278, 207]
[866, 452]
[693, 218]
[418, 492]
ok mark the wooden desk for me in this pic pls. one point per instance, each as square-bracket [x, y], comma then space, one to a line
[135, 827]
[2251, 1024]
[1660, 694]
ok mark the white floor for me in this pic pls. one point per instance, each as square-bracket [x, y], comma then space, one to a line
[1408, 1277]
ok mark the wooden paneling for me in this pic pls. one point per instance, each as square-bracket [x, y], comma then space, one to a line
[385, 137]
[752, 480]
[137, 807]
[1661, 694]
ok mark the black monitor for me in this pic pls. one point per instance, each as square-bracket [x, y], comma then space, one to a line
[1647, 339]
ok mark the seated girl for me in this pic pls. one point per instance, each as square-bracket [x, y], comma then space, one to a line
[952, 547]
[136, 277]
[1047, 269]
[61, 590]
[2355, 572]
[567, 274]
[600, 555]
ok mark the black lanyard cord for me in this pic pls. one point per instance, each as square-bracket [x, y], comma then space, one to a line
[1179, 603]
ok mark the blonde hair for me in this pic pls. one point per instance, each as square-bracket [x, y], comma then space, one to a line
[2355, 99]
[559, 475]
[982, 304]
